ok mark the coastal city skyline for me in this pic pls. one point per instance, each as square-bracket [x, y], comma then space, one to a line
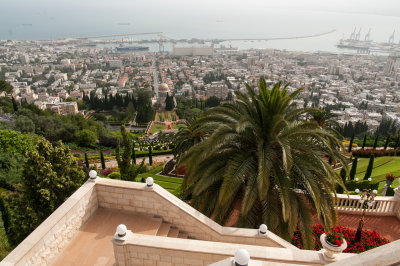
[218, 133]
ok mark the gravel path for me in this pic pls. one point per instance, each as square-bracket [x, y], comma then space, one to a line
[157, 158]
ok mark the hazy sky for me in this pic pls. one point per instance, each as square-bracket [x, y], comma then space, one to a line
[185, 18]
[389, 6]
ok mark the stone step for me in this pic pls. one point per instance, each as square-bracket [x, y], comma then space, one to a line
[182, 235]
[164, 229]
[147, 226]
[173, 232]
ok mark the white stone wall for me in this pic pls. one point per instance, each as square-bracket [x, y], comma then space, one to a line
[137, 249]
[135, 197]
[43, 245]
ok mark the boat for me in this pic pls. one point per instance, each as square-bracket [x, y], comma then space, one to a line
[132, 48]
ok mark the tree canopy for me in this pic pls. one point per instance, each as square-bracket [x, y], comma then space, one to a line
[5, 86]
[260, 157]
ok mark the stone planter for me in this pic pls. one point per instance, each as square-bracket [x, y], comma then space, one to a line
[331, 251]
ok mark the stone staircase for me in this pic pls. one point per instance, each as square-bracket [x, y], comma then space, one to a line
[168, 230]
[99, 230]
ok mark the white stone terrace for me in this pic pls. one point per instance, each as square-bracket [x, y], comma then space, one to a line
[162, 230]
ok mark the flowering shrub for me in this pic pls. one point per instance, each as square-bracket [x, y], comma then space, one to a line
[390, 177]
[369, 240]
[334, 237]
[107, 171]
[378, 153]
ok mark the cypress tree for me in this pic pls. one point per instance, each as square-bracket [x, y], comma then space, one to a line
[133, 153]
[150, 156]
[376, 141]
[343, 175]
[353, 168]
[15, 104]
[124, 160]
[5, 215]
[86, 160]
[364, 141]
[370, 167]
[396, 145]
[351, 142]
[387, 142]
[103, 163]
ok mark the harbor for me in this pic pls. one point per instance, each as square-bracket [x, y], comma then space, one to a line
[367, 46]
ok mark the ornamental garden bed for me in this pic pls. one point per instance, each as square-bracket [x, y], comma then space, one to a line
[369, 239]
[382, 167]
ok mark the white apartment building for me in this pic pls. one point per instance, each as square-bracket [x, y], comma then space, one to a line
[218, 89]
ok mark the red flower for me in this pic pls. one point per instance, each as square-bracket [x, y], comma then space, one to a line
[337, 242]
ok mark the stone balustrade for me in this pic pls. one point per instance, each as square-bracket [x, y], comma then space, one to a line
[138, 249]
[383, 206]
[136, 197]
[208, 237]
[49, 239]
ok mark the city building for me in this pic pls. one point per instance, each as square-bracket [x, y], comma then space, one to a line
[193, 51]
[218, 89]
[114, 63]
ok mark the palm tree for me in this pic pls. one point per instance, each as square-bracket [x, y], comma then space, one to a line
[324, 118]
[259, 156]
[188, 135]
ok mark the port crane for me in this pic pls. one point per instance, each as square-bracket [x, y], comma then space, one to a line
[391, 38]
[358, 35]
[353, 34]
[368, 36]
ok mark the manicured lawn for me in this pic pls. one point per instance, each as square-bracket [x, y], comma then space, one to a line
[382, 167]
[177, 126]
[156, 128]
[363, 163]
[169, 183]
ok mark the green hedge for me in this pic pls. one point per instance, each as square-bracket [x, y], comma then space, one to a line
[378, 153]
[361, 185]
[154, 152]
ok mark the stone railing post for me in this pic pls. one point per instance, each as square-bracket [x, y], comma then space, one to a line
[397, 203]
[118, 244]
[242, 258]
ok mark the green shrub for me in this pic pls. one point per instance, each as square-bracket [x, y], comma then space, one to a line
[377, 153]
[352, 185]
[86, 138]
[114, 175]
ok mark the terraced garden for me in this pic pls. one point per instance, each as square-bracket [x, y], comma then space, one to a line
[178, 126]
[166, 116]
[382, 166]
[156, 128]
[171, 184]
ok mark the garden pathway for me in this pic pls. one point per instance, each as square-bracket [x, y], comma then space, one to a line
[387, 226]
[156, 158]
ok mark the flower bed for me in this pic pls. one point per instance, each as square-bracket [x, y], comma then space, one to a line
[369, 239]
[378, 153]
[106, 172]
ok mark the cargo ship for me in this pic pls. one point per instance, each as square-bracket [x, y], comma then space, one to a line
[132, 48]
